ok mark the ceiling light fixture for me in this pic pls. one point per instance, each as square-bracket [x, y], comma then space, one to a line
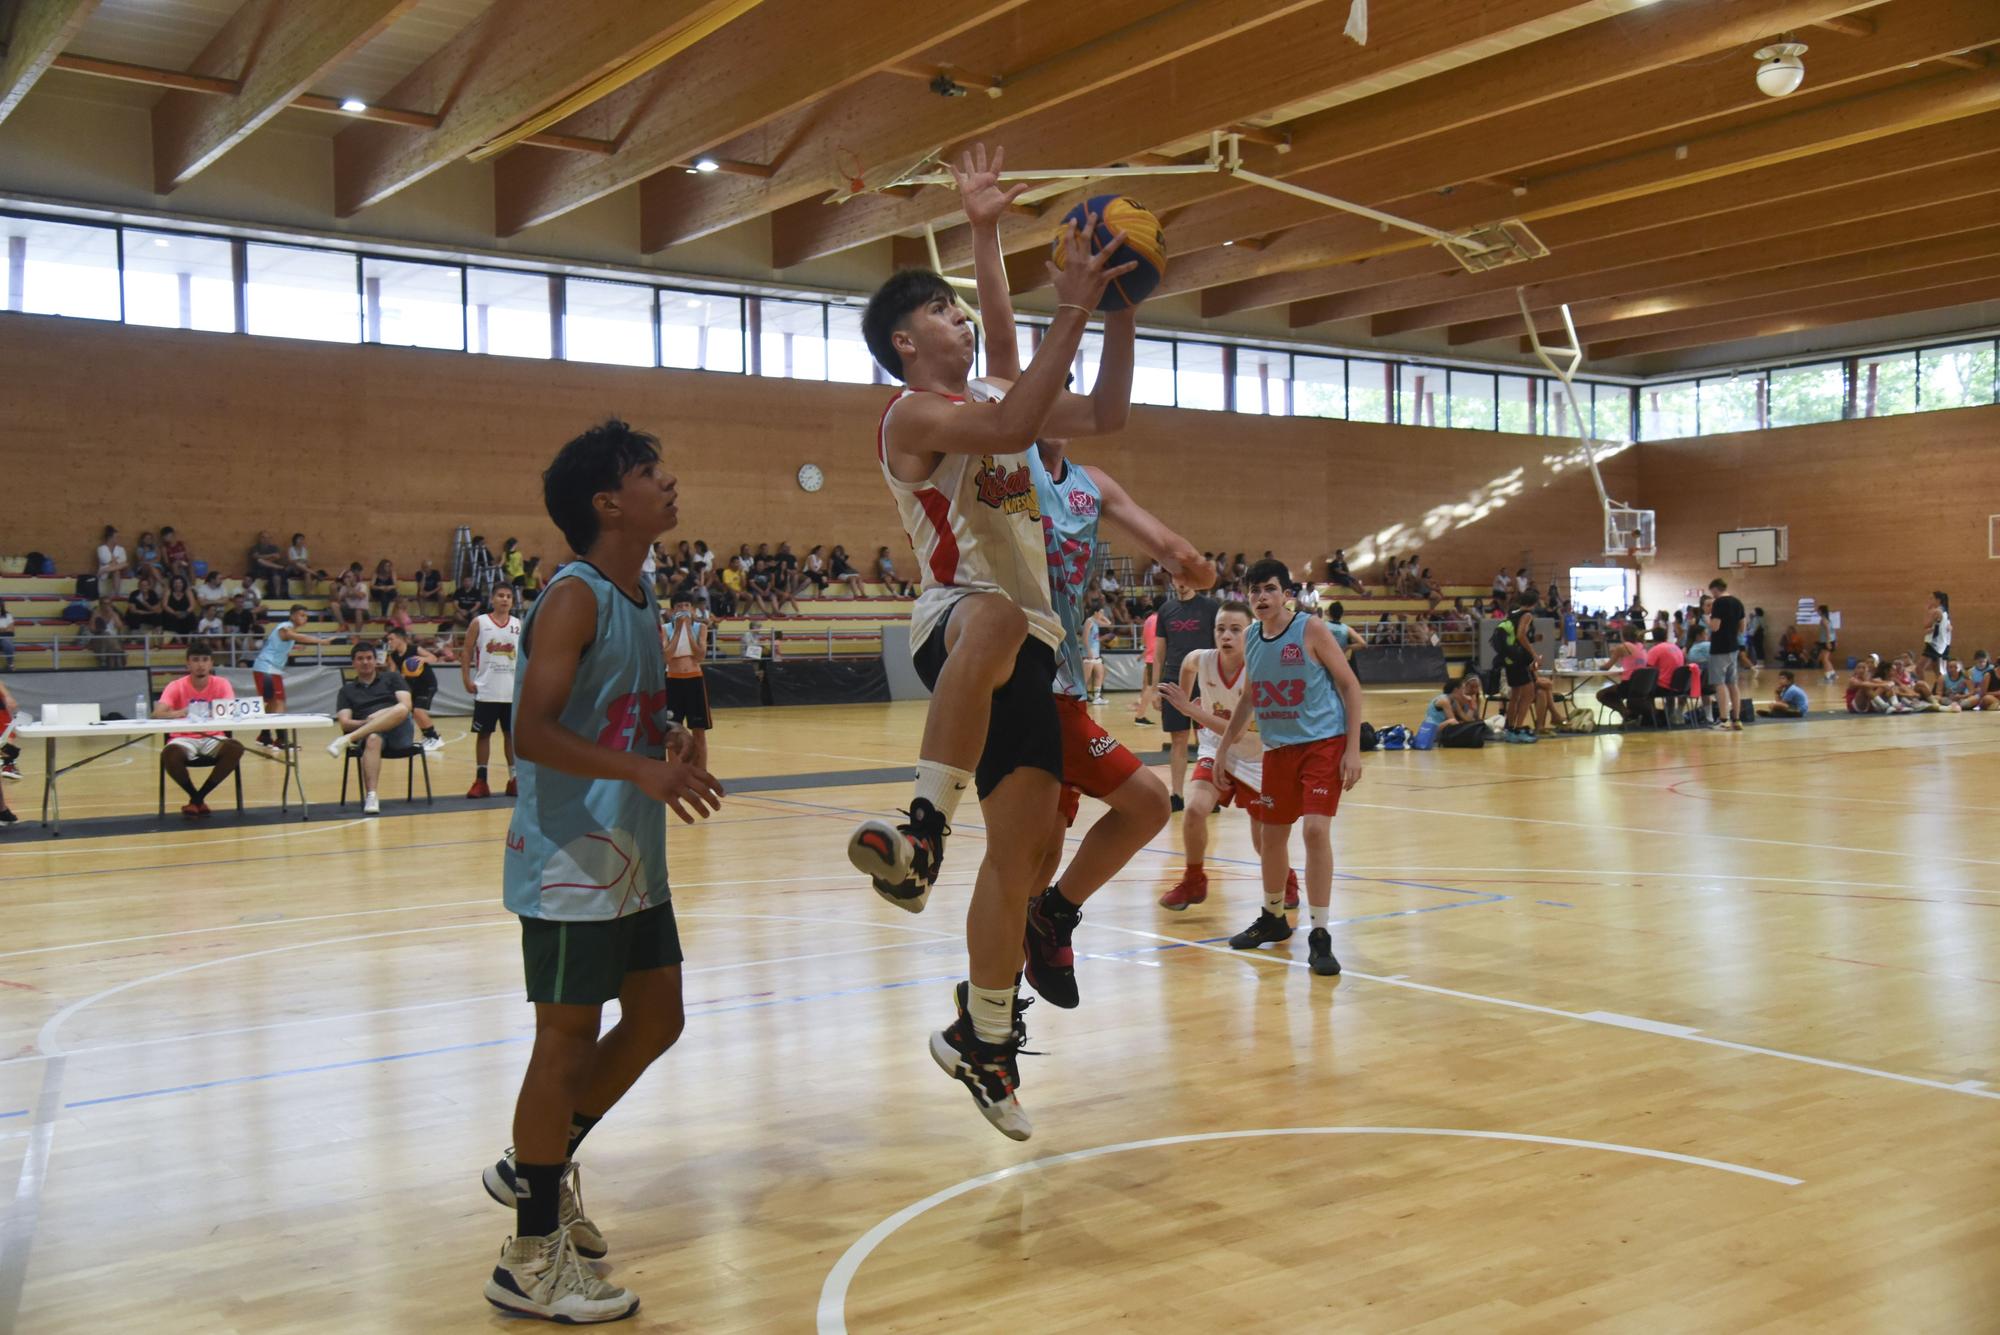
[1780, 71]
[706, 165]
[353, 104]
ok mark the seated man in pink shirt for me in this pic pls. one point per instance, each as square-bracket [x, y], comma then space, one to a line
[203, 686]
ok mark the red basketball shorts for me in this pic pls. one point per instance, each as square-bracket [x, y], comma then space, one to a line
[1094, 763]
[1302, 780]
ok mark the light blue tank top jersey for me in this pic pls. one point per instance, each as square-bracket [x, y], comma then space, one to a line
[1341, 632]
[276, 654]
[1436, 714]
[590, 849]
[1291, 692]
[1069, 532]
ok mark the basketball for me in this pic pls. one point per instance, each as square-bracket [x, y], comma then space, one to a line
[1145, 245]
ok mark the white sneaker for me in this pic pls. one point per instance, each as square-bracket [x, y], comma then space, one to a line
[334, 747]
[371, 805]
[433, 744]
[548, 1278]
[499, 1182]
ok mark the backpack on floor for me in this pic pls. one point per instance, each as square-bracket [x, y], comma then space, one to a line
[1462, 735]
[1370, 739]
[1395, 737]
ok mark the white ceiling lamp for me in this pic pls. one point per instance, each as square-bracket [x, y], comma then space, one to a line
[353, 105]
[707, 165]
[1779, 69]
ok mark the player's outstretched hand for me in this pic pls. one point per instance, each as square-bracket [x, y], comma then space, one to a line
[1350, 770]
[683, 787]
[979, 190]
[1198, 575]
[1087, 271]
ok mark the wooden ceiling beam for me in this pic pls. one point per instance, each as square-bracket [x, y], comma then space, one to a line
[802, 51]
[1848, 25]
[1616, 314]
[1636, 109]
[1202, 74]
[1924, 299]
[274, 50]
[508, 64]
[150, 75]
[1314, 255]
[1819, 130]
[1594, 85]
[1801, 299]
[1768, 221]
[893, 121]
[41, 29]
[1649, 275]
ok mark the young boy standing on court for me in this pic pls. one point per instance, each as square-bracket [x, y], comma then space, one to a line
[586, 860]
[1307, 703]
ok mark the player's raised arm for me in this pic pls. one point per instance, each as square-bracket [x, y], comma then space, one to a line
[1106, 408]
[985, 199]
[1175, 553]
[1327, 652]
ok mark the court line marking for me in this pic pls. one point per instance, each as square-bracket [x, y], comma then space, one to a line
[1596, 1017]
[1713, 794]
[832, 1314]
[224, 836]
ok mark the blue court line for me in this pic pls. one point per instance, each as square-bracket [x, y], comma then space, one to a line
[295, 1070]
[1554, 904]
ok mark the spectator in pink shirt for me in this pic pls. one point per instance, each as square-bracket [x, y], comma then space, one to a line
[202, 686]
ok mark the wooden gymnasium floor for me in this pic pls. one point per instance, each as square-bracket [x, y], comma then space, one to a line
[1667, 1033]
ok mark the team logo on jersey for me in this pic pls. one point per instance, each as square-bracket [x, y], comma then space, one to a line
[1083, 504]
[1011, 491]
[1292, 653]
[1101, 747]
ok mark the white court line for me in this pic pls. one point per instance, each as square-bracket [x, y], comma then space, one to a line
[1812, 797]
[832, 1315]
[1628, 1022]
[1600, 827]
[1649, 874]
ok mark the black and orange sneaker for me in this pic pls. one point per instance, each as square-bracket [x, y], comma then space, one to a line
[901, 860]
[1051, 963]
[1269, 929]
[991, 1071]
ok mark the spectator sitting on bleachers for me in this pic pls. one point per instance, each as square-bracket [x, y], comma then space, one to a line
[298, 564]
[209, 591]
[143, 608]
[211, 626]
[6, 635]
[178, 611]
[112, 563]
[383, 587]
[843, 570]
[1503, 586]
[200, 685]
[788, 579]
[885, 571]
[466, 605]
[1338, 573]
[174, 558]
[350, 600]
[813, 572]
[146, 555]
[513, 562]
[761, 583]
[373, 712]
[1791, 699]
[102, 635]
[398, 616]
[430, 590]
[267, 563]
[241, 618]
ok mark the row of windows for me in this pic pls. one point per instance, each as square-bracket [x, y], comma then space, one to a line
[188, 281]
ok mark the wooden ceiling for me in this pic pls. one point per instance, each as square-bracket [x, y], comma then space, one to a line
[1682, 208]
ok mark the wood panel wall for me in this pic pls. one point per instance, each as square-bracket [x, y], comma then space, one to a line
[1880, 513]
[382, 451]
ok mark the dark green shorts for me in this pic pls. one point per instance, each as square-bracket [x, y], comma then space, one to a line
[585, 963]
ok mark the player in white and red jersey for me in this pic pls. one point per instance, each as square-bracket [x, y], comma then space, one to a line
[1209, 691]
[983, 634]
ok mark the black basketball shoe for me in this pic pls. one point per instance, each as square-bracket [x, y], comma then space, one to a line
[991, 1071]
[1269, 929]
[901, 860]
[1319, 952]
[1051, 964]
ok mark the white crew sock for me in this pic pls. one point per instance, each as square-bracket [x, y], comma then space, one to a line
[941, 786]
[1275, 904]
[992, 1012]
[1322, 914]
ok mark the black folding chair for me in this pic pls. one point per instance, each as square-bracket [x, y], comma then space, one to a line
[414, 753]
[200, 762]
[1674, 697]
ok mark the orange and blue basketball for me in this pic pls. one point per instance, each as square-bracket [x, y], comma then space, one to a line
[1145, 245]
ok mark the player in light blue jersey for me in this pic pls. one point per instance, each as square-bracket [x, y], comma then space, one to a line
[1307, 703]
[586, 862]
[1073, 500]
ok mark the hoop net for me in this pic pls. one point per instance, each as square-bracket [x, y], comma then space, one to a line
[860, 178]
